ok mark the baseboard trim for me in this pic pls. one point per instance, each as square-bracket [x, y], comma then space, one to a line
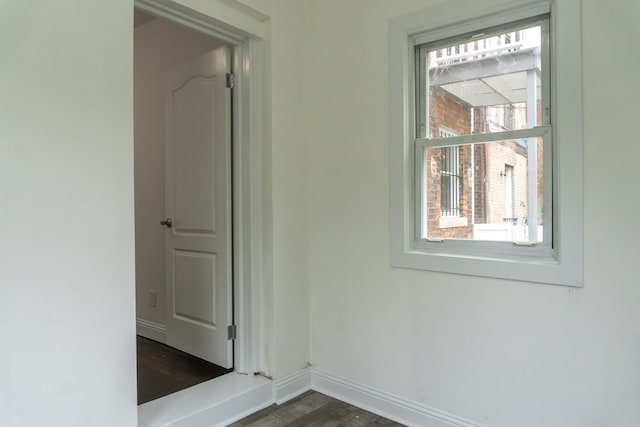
[229, 398]
[215, 403]
[152, 330]
[384, 404]
[291, 386]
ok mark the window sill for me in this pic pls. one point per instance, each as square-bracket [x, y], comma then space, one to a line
[453, 221]
[545, 270]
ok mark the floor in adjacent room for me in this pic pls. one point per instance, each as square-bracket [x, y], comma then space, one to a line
[314, 409]
[163, 370]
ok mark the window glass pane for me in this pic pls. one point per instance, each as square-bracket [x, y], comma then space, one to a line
[483, 85]
[483, 191]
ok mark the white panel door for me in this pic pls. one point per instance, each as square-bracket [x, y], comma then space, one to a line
[198, 204]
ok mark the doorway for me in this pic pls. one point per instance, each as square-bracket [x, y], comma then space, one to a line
[182, 130]
[244, 30]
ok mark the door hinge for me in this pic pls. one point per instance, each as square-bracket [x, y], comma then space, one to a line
[231, 80]
[232, 332]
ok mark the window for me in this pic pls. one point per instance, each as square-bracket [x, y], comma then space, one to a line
[495, 94]
[483, 127]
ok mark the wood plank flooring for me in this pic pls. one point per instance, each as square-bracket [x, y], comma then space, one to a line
[163, 370]
[313, 409]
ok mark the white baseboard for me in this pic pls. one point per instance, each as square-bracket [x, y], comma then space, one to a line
[383, 403]
[152, 330]
[291, 386]
[232, 397]
[215, 403]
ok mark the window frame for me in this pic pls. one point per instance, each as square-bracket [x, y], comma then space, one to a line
[559, 262]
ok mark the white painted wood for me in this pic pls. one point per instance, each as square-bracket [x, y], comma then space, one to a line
[218, 402]
[248, 207]
[232, 397]
[291, 386]
[384, 404]
[198, 200]
[532, 155]
[152, 330]
[231, 21]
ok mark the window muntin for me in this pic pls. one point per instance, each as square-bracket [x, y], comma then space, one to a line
[490, 89]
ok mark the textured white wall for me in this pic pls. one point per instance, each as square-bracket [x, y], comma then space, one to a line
[496, 352]
[67, 308]
[159, 46]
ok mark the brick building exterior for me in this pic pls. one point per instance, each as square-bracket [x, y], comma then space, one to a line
[481, 191]
[487, 173]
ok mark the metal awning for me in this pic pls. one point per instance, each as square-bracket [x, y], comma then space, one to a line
[494, 80]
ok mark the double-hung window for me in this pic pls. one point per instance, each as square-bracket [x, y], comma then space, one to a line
[478, 125]
[482, 100]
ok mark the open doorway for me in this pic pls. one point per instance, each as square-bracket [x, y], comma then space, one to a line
[245, 31]
[182, 130]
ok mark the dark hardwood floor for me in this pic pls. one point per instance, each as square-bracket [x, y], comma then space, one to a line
[313, 409]
[163, 370]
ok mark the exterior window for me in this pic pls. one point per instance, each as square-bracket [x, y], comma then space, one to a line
[486, 135]
[449, 177]
[483, 102]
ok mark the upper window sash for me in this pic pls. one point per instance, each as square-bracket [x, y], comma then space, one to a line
[473, 26]
[421, 85]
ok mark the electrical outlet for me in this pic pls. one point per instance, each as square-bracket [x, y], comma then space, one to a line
[152, 298]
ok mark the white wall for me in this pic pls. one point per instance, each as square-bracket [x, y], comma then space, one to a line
[286, 288]
[496, 352]
[67, 355]
[159, 46]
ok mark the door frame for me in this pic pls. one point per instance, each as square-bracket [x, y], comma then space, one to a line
[243, 29]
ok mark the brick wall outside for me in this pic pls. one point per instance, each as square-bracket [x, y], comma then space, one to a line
[454, 115]
[485, 179]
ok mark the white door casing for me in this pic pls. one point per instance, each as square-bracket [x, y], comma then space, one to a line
[198, 201]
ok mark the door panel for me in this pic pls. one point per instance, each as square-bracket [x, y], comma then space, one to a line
[195, 287]
[194, 156]
[198, 199]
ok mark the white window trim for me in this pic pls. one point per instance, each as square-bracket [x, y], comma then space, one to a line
[443, 20]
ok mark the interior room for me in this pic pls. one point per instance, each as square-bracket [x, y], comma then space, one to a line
[327, 293]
